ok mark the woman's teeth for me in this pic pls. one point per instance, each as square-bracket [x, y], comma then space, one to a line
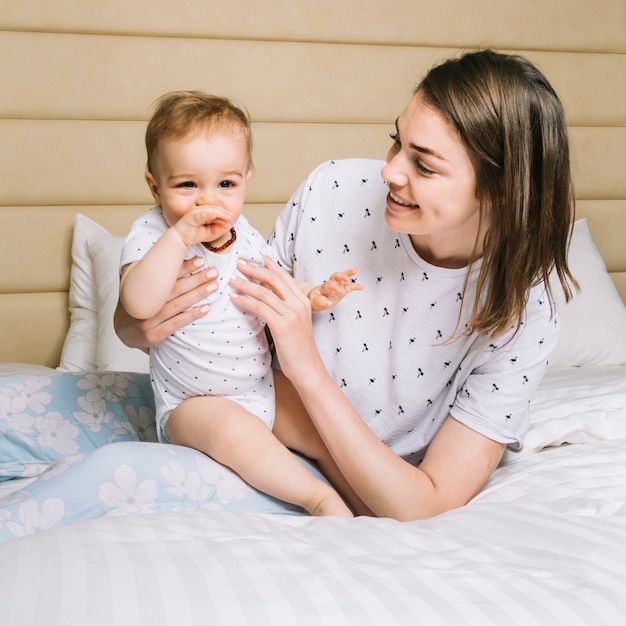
[396, 199]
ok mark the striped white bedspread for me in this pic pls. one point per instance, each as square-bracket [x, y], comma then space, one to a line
[543, 544]
[513, 557]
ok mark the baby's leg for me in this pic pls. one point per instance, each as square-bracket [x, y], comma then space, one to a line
[294, 428]
[228, 433]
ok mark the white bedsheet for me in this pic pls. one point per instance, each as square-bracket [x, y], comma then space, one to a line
[544, 543]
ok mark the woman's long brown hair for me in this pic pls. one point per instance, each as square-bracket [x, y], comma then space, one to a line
[513, 125]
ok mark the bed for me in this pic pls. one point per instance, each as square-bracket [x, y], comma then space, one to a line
[104, 526]
[99, 524]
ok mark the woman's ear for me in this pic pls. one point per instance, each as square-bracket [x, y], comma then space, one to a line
[154, 187]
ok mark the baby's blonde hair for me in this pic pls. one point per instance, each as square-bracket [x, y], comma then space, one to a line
[179, 113]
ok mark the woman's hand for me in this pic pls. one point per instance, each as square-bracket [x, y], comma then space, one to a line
[193, 284]
[273, 295]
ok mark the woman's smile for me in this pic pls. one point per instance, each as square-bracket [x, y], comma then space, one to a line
[401, 203]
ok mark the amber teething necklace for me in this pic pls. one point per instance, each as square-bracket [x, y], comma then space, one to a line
[230, 242]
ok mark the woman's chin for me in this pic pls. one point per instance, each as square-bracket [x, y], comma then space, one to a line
[400, 218]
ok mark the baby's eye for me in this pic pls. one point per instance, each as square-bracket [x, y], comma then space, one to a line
[188, 183]
[226, 184]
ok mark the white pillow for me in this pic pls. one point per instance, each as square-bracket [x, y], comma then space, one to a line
[575, 405]
[593, 323]
[111, 354]
[79, 348]
[91, 343]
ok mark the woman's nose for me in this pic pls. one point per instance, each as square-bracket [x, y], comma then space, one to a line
[394, 171]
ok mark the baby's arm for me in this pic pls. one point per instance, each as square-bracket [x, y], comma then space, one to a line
[146, 285]
[329, 293]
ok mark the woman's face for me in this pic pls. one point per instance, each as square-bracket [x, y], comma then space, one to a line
[432, 187]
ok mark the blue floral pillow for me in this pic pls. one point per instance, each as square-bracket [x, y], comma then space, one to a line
[131, 478]
[48, 417]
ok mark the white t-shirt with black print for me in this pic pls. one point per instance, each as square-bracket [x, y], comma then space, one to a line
[389, 346]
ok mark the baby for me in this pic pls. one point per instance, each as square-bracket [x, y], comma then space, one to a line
[212, 380]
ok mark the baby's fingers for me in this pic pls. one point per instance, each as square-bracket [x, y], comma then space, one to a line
[345, 276]
[350, 287]
[341, 282]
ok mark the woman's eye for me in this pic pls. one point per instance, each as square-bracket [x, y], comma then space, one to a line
[422, 169]
[394, 138]
[418, 164]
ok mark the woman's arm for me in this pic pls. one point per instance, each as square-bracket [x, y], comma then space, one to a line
[193, 285]
[459, 460]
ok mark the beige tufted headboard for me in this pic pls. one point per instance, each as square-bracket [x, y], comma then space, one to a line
[321, 79]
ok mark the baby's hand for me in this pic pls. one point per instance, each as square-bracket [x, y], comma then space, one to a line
[331, 292]
[202, 224]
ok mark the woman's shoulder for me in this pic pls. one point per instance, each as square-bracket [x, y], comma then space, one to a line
[351, 170]
[539, 328]
[340, 184]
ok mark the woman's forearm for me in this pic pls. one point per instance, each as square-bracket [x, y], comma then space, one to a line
[387, 484]
[458, 463]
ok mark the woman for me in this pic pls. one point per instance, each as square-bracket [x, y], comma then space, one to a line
[411, 389]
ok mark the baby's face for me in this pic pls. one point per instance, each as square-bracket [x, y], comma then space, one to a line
[208, 168]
